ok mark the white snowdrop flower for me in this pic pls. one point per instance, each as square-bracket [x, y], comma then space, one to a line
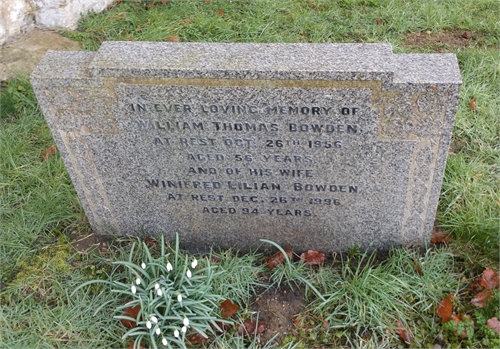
[176, 334]
[194, 263]
[138, 281]
[179, 297]
[169, 267]
[143, 265]
[184, 329]
[188, 273]
[159, 292]
[157, 331]
[164, 341]
[157, 286]
[134, 290]
[154, 319]
[185, 321]
[148, 324]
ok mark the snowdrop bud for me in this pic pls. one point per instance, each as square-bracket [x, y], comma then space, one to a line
[185, 321]
[138, 281]
[157, 286]
[134, 290]
[164, 341]
[148, 324]
[184, 329]
[143, 265]
[176, 334]
[154, 319]
[159, 292]
[194, 264]
[158, 331]
[169, 266]
[179, 297]
[188, 273]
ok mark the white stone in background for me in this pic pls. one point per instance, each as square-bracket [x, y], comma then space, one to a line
[65, 13]
[20, 15]
[15, 15]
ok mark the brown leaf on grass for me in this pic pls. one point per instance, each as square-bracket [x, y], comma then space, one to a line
[418, 266]
[206, 1]
[173, 38]
[475, 285]
[188, 20]
[165, 1]
[444, 309]
[482, 298]
[312, 258]
[121, 15]
[325, 324]
[130, 312]
[220, 12]
[465, 35]
[150, 242]
[251, 327]
[406, 335]
[438, 236]
[222, 327]
[47, 154]
[489, 279]
[472, 105]
[494, 324]
[278, 258]
[228, 309]
[197, 339]
[460, 318]
[379, 21]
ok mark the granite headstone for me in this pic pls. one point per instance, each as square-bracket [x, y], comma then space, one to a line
[318, 146]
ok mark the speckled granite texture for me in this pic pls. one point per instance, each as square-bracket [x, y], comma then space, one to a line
[317, 146]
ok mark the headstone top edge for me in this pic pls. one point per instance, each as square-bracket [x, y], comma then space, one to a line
[232, 57]
[64, 65]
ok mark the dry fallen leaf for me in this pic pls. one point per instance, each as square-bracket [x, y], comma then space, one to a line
[460, 318]
[121, 15]
[312, 258]
[379, 21]
[489, 279]
[444, 309]
[418, 266]
[472, 105]
[251, 327]
[406, 335]
[188, 20]
[482, 298]
[173, 38]
[220, 12]
[228, 309]
[465, 35]
[46, 154]
[494, 324]
[165, 1]
[130, 312]
[278, 258]
[438, 236]
[197, 338]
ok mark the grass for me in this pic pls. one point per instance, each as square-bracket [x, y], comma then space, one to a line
[40, 213]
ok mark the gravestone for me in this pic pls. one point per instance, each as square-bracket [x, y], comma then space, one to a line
[318, 146]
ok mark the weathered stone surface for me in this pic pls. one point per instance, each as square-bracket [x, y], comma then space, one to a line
[318, 146]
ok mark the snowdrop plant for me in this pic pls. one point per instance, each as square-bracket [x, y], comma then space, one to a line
[174, 294]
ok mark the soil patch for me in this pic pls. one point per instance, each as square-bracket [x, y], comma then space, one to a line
[277, 308]
[91, 242]
[22, 53]
[441, 41]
